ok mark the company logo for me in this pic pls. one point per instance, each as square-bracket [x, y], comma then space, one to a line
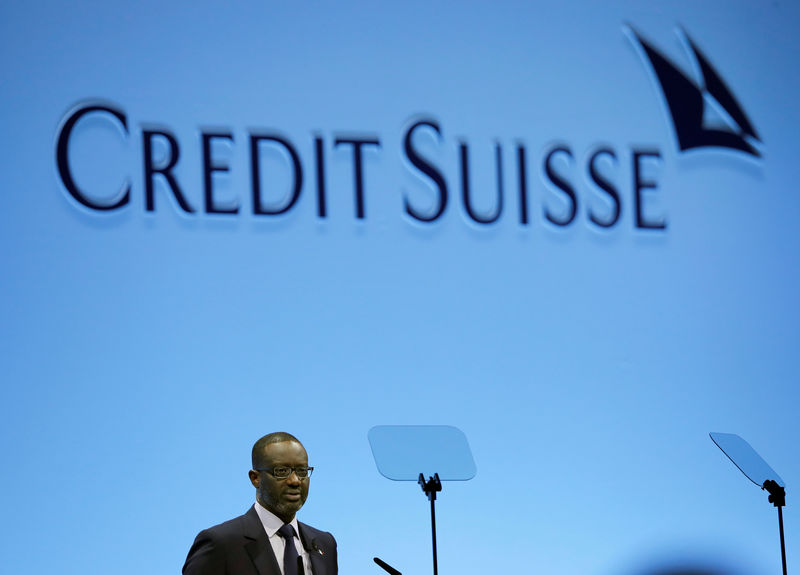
[690, 104]
[264, 173]
[605, 186]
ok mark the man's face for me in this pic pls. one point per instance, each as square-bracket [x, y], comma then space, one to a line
[284, 497]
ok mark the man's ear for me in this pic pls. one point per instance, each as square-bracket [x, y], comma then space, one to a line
[255, 478]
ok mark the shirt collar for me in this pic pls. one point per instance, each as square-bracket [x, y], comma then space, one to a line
[272, 522]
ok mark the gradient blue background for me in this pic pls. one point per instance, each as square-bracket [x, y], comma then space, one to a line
[143, 353]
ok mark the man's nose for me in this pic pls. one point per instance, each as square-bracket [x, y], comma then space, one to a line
[293, 478]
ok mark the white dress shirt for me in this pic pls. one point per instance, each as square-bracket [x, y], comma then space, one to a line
[272, 523]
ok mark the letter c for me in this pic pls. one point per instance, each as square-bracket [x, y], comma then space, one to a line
[62, 157]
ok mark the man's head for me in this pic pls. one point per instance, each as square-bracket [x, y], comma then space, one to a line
[282, 496]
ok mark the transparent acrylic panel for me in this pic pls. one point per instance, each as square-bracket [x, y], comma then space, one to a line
[402, 452]
[745, 458]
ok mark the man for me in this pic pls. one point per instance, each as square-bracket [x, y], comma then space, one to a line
[268, 539]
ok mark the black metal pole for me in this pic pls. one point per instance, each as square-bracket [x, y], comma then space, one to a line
[433, 530]
[783, 545]
[430, 487]
[777, 496]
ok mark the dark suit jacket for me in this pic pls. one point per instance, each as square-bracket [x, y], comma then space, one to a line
[241, 547]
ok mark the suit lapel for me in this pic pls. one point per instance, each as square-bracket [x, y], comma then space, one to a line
[257, 545]
[315, 552]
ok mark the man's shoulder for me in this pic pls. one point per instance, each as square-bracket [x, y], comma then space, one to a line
[313, 531]
[231, 527]
[316, 538]
[214, 548]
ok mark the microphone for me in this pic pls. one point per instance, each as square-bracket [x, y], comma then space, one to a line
[386, 567]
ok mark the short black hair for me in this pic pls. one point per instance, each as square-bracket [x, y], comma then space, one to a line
[276, 437]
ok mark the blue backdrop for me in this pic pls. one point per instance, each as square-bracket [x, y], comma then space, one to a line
[145, 350]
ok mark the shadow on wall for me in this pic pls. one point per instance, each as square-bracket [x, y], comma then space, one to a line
[690, 567]
[690, 571]
[683, 561]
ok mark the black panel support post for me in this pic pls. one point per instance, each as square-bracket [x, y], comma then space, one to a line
[777, 496]
[430, 488]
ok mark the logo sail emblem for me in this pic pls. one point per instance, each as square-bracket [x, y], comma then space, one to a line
[687, 103]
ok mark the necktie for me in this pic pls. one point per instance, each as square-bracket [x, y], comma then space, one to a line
[289, 551]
